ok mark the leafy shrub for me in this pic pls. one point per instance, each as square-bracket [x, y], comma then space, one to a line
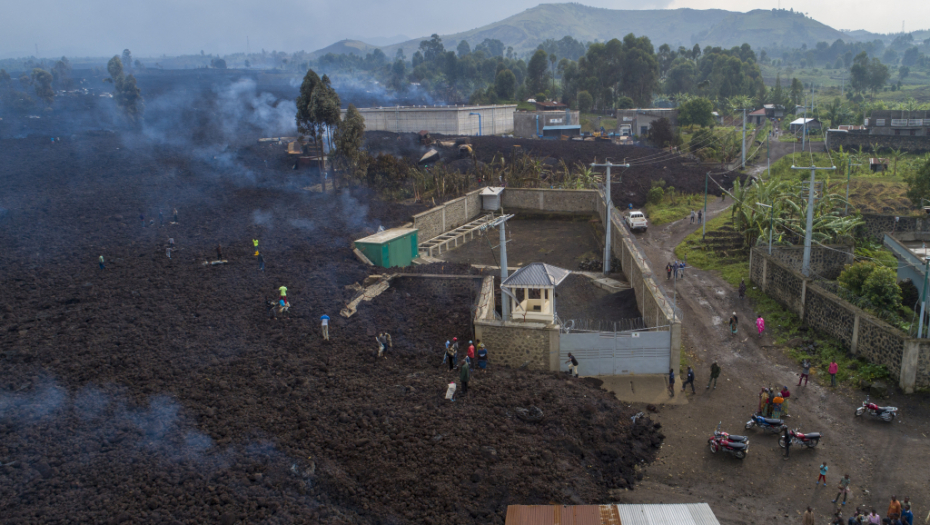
[854, 276]
[881, 288]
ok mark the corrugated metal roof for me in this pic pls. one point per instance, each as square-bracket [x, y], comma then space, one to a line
[557, 514]
[537, 274]
[661, 514]
[758, 112]
[387, 235]
[653, 514]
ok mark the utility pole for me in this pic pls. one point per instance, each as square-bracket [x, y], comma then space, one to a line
[704, 217]
[849, 166]
[808, 233]
[768, 154]
[804, 128]
[743, 152]
[923, 300]
[501, 221]
[610, 206]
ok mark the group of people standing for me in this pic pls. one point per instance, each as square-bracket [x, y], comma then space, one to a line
[699, 216]
[678, 267]
[899, 512]
[774, 403]
[475, 355]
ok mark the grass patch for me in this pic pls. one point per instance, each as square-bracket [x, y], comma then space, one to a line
[717, 252]
[674, 206]
[879, 192]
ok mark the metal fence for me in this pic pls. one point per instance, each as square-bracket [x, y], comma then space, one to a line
[602, 325]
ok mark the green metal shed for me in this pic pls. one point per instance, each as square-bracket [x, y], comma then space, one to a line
[390, 248]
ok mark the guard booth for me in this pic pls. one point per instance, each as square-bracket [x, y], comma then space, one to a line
[390, 248]
[532, 289]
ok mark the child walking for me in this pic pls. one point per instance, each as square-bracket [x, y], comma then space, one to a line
[823, 474]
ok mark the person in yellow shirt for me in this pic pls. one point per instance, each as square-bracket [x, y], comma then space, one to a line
[283, 291]
[255, 243]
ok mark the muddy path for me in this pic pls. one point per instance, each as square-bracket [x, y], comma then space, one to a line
[878, 457]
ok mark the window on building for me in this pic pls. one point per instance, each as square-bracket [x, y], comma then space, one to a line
[880, 122]
[899, 122]
[914, 122]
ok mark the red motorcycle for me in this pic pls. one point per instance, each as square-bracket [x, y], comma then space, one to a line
[726, 443]
[797, 438]
[885, 413]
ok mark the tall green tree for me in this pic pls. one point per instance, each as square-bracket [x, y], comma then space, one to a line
[878, 76]
[696, 112]
[505, 84]
[126, 93]
[797, 91]
[778, 93]
[639, 70]
[536, 72]
[42, 80]
[349, 136]
[859, 73]
[463, 48]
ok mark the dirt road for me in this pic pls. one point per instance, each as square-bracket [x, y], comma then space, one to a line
[881, 459]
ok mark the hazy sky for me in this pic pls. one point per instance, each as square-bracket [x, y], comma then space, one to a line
[152, 28]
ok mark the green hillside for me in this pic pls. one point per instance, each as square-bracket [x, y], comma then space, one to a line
[768, 29]
[676, 27]
[345, 47]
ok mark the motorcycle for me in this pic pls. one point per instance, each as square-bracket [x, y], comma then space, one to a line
[722, 441]
[886, 413]
[730, 437]
[797, 438]
[771, 425]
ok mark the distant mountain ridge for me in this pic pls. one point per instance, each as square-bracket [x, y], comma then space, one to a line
[676, 27]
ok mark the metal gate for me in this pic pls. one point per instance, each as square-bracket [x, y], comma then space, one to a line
[617, 353]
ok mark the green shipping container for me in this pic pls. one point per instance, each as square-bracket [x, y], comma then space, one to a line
[390, 248]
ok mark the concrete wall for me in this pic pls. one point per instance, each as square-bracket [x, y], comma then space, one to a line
[657, 310]
[444, 217]
[852, 141]
[562, 201]
[907, 358]
[524, 122]
[446, 120]
[515, 343]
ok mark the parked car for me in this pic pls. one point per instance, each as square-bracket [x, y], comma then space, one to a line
[636, 220]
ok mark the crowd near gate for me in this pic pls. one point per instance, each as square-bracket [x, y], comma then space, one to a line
[615, 348]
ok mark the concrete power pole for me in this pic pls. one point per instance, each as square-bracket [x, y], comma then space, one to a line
[743, 153]
[505, 299]
[610, 205]
[808, 233]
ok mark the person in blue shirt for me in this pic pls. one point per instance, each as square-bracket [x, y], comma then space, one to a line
[907, 516]
[324, 322]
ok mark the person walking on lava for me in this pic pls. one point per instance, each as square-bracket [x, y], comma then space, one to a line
[714, 374]
[102, 265]
[255, 243]
[464, 376]
[282, 291]
[451, 350]
[573, 367]
[219, 252]
[324, 322]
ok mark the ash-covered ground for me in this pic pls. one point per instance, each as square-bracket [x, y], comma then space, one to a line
[158, 390]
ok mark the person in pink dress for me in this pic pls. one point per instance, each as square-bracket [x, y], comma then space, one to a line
[834, 368]
[760, 325]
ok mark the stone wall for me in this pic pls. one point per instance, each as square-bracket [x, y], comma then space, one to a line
[826, 262]
[876, 226]
[513, 344]
[450, 215]
[907, 359]
[561, 201]
[852, 141]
